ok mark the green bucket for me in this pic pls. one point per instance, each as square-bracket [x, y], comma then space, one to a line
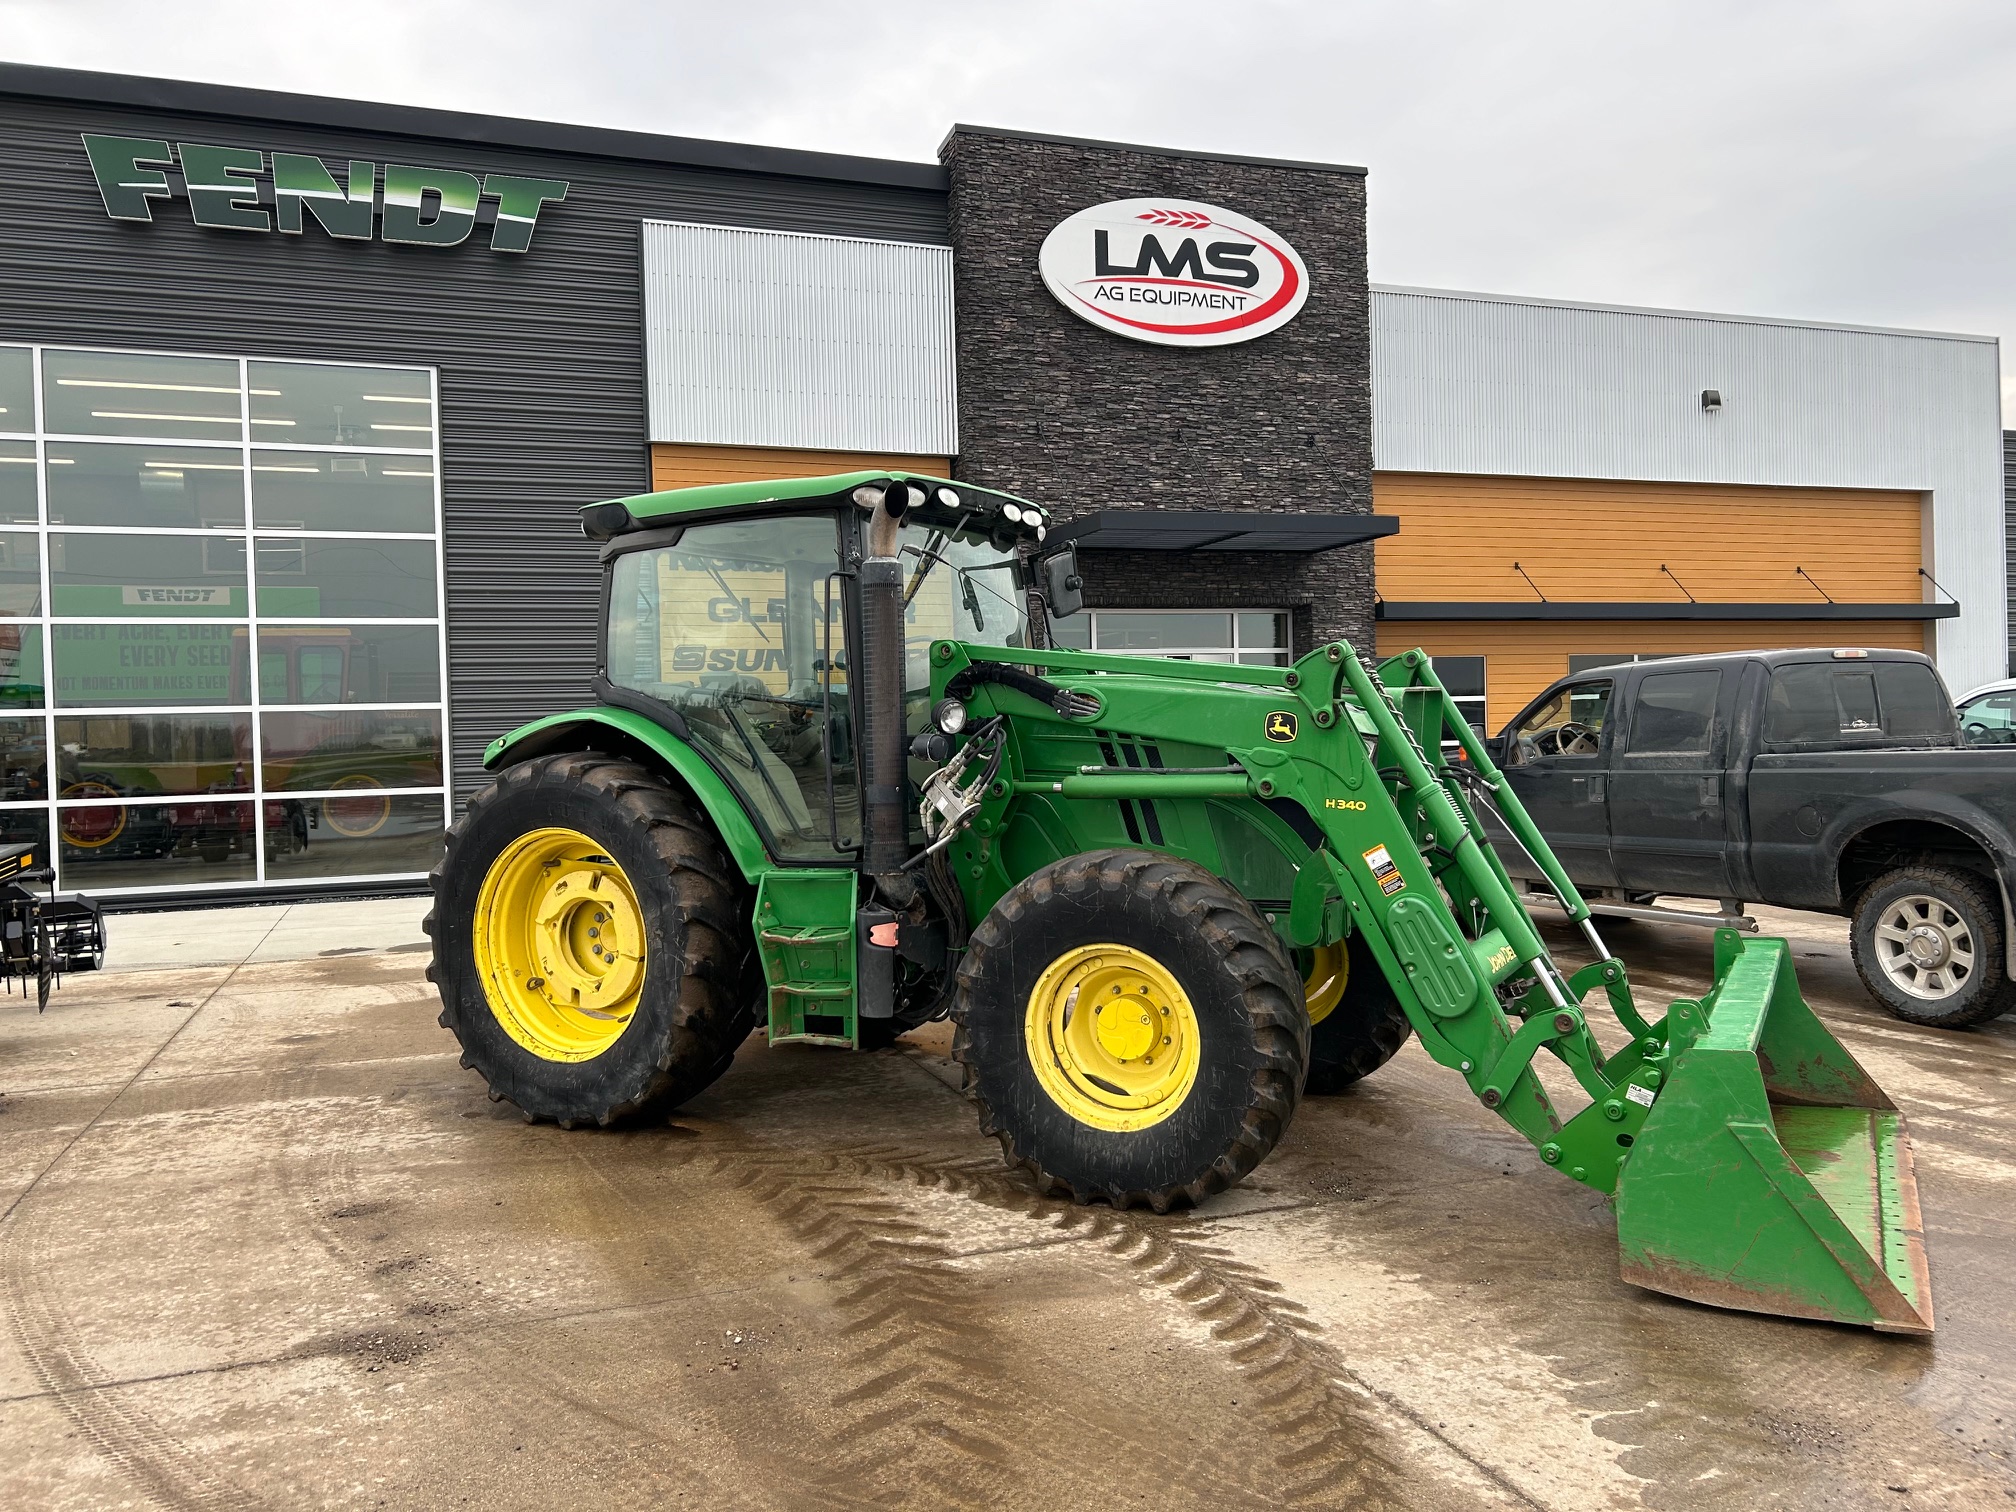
[1772, 1174]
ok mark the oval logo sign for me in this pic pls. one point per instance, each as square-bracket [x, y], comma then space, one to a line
[1174, 272]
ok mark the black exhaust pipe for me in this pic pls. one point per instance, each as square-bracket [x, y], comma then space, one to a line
[884, 745]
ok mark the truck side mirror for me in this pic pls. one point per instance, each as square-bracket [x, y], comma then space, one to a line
[1063, 588]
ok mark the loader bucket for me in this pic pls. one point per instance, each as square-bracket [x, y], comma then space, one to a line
[1772, 1174]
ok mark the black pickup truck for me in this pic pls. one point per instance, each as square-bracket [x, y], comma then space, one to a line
[1827, 779]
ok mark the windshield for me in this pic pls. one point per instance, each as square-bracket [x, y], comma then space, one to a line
[959, 586]
[732, 626]
[1989, 719]
[1568, 724]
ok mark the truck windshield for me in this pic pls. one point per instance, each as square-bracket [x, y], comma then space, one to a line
[1989, 719]
[1568, 724]
[733, 626]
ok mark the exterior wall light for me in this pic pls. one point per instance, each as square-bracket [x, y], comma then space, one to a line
[1711, 400]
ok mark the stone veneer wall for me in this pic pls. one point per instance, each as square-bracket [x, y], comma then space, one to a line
[1079, 418]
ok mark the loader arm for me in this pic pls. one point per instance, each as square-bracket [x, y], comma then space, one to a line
[1180, 754]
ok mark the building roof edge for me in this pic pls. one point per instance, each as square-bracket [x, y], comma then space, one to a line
[186, 97]
[1168, 152]
[1670, 314]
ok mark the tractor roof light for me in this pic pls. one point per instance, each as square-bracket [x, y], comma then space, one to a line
[606, 521]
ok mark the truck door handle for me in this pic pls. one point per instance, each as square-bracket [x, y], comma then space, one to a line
[1596, 787]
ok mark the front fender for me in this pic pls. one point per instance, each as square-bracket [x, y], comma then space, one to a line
[599, 728]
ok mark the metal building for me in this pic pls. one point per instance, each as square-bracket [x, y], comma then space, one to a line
[1579, 483]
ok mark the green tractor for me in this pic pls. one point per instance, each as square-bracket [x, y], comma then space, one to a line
[836, 786]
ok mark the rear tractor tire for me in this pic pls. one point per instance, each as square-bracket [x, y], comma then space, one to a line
[592, 944]
[1131, 1029]
[1356, 1023]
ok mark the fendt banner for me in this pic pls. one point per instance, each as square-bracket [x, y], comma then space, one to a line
[1174, 272]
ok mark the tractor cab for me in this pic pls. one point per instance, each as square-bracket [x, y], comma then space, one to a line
[732, 616]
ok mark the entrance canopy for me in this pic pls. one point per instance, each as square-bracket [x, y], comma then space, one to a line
[1221, 530]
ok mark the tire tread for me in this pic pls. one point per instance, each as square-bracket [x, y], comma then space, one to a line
[716, 950]
[1252, 955]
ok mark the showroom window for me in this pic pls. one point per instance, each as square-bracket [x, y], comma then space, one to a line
[1254, 637]
[1463, 676]
[221, 658]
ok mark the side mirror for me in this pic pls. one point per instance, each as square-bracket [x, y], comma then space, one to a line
[1063, 588]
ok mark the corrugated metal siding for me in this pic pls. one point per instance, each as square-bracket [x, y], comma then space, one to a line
[541, 356]
[2009, 535]
[762, 338]
[1465, 383]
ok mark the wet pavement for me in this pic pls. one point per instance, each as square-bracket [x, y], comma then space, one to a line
[266, 1244]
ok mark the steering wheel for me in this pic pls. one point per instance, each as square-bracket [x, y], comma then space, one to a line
[1976, 733]
[1573, 738]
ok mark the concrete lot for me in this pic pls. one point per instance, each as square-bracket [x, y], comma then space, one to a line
[265, 1244]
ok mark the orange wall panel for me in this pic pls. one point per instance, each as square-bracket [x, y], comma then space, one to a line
[691, 466]
[1522, 656]
[1601, 540]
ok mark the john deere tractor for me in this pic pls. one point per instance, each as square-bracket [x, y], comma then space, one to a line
[835, 785]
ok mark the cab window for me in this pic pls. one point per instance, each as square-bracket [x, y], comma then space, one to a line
[1817, 705]
[1989, 719]
[737, 626]
[1570, 723]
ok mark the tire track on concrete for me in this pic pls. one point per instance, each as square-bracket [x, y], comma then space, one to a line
[330, 1197]
[155, 1460]
[1332, 1434]
[925, 1416]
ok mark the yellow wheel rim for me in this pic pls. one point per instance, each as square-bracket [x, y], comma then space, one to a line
[1324, 981]
[1112, 1037]
[559, 945]
[76, 823]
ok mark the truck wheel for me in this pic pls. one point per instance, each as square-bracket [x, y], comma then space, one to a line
[1356, 1024]
[1131, 1029]
[1927, 942]
[592, 944]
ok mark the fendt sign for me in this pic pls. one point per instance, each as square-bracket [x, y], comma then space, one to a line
[1174, 272]
[232, 188]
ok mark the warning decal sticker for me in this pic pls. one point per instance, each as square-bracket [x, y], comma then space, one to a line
[1384, 872]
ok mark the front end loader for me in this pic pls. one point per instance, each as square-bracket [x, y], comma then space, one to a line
[836, 785]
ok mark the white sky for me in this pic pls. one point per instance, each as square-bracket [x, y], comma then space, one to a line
[1847, 161]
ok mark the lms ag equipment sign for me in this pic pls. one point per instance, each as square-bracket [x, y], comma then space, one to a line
[1174, 272]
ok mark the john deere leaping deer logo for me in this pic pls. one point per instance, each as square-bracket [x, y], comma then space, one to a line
[1281, 725]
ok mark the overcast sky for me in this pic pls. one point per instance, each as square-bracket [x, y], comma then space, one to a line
[1838, 161]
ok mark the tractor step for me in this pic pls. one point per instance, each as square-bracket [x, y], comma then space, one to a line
[805, 937]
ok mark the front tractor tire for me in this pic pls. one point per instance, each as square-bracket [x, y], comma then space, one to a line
[1356, 1023]
[591, 942]
[1131, 1029]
